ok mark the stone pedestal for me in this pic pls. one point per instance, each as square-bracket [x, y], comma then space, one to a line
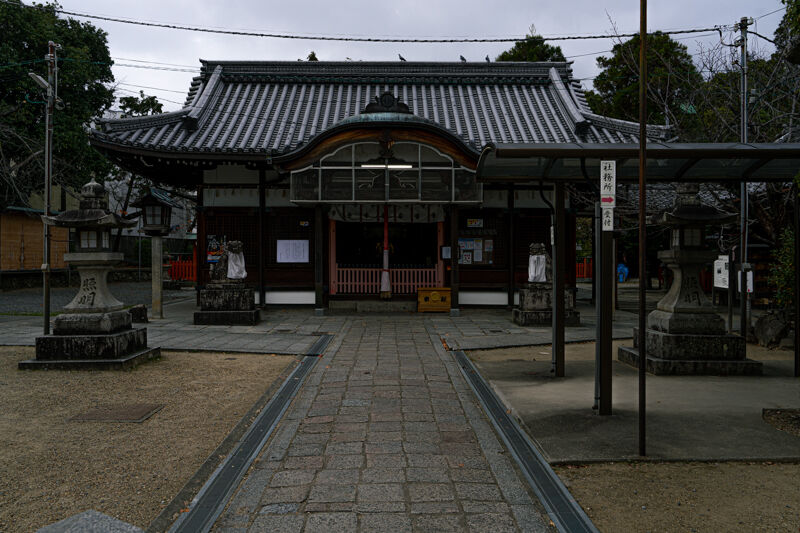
[684, 334]
[536, 306]
[101, 341]
[227, 303]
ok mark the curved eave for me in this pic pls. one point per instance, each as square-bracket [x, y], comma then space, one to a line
[379, 127]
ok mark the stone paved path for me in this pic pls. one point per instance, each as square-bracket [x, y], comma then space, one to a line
[384, 436]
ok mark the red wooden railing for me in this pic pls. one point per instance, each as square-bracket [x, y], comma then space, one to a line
[584, 269]
[183, 269]
[368, 280]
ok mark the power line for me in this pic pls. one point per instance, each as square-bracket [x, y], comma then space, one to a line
[152, 62]
[148, 87]
[771, 13]
[137, 93]
[341, 38]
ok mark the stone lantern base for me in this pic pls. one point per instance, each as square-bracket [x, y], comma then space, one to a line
[692, 354]
[101, 341]
[227, 303]
[536, 306]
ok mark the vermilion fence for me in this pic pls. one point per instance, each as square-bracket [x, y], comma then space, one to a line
[584, 269]
[368, 280]
[183, 269]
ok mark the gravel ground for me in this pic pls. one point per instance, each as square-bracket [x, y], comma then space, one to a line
[29, 301]
[52, 468]
[701, 497]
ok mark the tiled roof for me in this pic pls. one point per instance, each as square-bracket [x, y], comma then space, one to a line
[237, 107]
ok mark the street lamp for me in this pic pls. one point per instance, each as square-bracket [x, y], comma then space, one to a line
[51, 86]
[156, 207]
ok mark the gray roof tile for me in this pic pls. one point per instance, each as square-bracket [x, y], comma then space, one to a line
[254, 107]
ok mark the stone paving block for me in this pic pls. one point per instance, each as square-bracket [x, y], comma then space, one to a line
[356, 428]
[279, 508]
[269, 523]
[315, 428]
[434, 475]
[478, 491]
[430, 492]
[439, 524]
[385, 436]
[344, 461]
[296, 450]
[484, 507]
[304, 462]
[383, 522]
[348, 437]
[460, 449]
[380, 492]
[378, 427]
[331, 523]
[344, 448]
[290, 478]
[434, 507]
[431, 448]
[311, 438]
[285, 495]
[350, 419]
[426, 460]
[458, 436]
[383, 475]
[383, 447]
[433, 438]
[491, 523]
[380, 507]
[385, 460]
[529, 519]
[332, 493]
[460, 461]
[386, 417]
[422, 427]
[338, 477]
[469, 475]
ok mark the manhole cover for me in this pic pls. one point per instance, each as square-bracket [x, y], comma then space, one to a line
[135, 412]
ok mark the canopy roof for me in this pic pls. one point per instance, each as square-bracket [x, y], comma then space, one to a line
[666, 162]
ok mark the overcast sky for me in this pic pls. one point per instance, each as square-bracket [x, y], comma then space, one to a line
[413, 18]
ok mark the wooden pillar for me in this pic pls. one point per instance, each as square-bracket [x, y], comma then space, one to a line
[319, 259]
[607, 284]
[262, 207]
[332, 276]
[439, 260]
[454, 257]
[559, 275]
[510, 255]
[200, 264]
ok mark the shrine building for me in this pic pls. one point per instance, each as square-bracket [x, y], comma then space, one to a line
[308, 163]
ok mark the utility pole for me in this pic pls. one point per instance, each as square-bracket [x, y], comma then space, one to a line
[642, 224]
[744, 267]
[51, 86]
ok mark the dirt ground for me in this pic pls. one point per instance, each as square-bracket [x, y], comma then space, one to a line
[680, 496]
[702, 497]
[52, 467]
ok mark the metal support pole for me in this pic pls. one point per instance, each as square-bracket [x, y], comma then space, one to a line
[386, 285]
[261, 213]
[455, 256]
[559, 272]
[731, 289]
[606, 297]
[48, 179]
[156, 259]
[744, 319]
[318, 260]
[598, 310]
[642, 223]
[796, 215]
[510, 254]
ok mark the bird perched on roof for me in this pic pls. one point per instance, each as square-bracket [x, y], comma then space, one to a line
[487, 59]
[401, 57]
[464, 59]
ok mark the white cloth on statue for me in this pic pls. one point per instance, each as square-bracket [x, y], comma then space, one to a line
[537, 266]
[236, 266]
[386, 285]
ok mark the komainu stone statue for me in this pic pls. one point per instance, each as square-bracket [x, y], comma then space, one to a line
[540, 265]
[226, 300]
[536, 297]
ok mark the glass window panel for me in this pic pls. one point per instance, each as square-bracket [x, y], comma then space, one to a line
[106, 243]
[370, 184]
[403, 184]
[436, 185]
[337, 184]
[152, 215]
[467, 188]
[304, 185]
[341, 157]
[431, 158]
[365, 152]
[406, 153]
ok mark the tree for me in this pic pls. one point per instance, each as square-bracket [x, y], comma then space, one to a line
[533, 48]
[140, 106]
[84, 70]
[312, 56]
[671, 78]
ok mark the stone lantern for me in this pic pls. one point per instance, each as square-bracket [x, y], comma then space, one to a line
[156, 207]
[685, 334]
[95, 331]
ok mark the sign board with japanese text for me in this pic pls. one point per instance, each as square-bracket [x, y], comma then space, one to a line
[608, 184]
[608, 219]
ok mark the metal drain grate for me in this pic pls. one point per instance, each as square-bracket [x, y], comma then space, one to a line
[561, 506]
[319, 346]
[214, 495]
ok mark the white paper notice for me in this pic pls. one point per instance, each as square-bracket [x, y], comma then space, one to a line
[293, 251]
[477, 252]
